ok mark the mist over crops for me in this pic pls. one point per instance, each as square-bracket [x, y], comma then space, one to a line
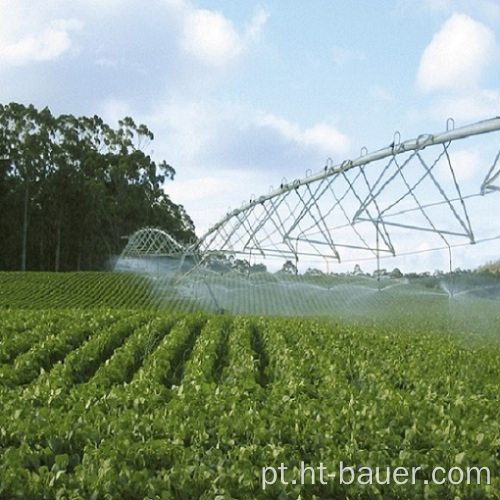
[457, 302]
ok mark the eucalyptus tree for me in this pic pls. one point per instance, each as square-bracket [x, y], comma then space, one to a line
[72, 187]
[26, 138]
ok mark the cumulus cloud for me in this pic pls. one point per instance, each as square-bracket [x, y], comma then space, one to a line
[324, 137]
[218, 135]
[48, 44]
[458, 55]
[165, 66]
[212, 38]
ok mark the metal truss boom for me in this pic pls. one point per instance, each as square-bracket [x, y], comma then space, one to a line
[421, 142]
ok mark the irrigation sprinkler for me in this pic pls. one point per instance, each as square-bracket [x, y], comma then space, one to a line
[410, 197]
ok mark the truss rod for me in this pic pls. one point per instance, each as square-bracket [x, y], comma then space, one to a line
[342, 245]
[421, 142]
[420, 228]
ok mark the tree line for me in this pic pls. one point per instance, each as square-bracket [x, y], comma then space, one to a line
[72, 187]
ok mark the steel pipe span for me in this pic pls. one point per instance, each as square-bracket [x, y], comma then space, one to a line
[421, 142]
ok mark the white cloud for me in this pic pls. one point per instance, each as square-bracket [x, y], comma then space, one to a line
[121, 52]
[25, 40]
[327, 138]
[466, 107]
[466, 164]
[224, 152]
[227, 135]
[201, 188]
[208, 198]
[210, 37]
[486, 10]
[321, 136]
[457, 56]
[254, 30]
[188, 127]
[114, 110]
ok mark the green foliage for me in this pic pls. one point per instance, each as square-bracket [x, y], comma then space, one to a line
[159, 405]
[72, 187]
[86, 290]
[111, 396]
[490, 267]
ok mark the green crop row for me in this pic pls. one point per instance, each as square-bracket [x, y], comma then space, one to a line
[127, 404]
[87, 290]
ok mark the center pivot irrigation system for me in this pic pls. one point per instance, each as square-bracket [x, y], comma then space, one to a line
[369, 204]
[367, 207]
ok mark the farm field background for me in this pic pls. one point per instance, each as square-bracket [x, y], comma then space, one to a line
[112, 388]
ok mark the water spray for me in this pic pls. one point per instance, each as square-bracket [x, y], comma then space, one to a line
[360, 209]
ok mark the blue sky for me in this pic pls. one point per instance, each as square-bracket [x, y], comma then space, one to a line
[242, 94]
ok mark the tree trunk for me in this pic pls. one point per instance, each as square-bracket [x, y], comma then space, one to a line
[79, 257]
[58, 242]
[25, 229]
[41, 265]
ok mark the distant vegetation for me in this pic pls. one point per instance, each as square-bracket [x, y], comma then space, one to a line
[72, 187]
[490, 267]
[483, 282]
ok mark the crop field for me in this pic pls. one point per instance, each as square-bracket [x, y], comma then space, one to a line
[31, 290]
[108, 392]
